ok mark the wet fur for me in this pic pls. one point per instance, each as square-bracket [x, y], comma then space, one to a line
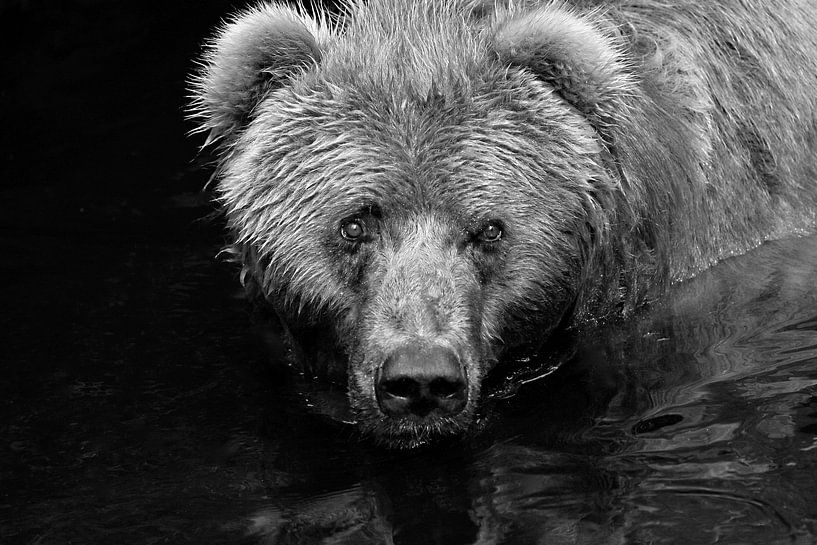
[623, 145]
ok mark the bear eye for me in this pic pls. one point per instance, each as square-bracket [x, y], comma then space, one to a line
[352, 230]
[490, 233]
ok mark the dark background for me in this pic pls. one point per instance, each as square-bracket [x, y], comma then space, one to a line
[94, 143]
[94, 152]
[123, 335]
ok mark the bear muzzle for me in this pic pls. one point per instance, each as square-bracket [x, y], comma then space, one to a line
[419, 383]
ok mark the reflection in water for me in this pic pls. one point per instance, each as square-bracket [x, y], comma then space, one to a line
[695, 423]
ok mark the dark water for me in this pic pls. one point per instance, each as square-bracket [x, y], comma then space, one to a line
[149, 413]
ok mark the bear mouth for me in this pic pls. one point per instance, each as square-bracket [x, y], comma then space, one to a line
[416, 394]
[411, 432]
[424, 422]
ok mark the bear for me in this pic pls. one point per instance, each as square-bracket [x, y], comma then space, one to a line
[419, 188]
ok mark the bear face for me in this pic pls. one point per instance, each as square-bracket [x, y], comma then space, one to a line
[419, 186]
[411, 191]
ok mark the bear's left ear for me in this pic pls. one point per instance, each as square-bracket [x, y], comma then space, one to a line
[572, 53]
[257, 50]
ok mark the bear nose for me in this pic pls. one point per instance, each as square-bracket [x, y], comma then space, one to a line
[418, 382]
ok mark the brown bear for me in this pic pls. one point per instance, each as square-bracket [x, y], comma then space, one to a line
[419, 186]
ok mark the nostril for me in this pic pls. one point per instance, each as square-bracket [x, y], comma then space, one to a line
[445, 388]
[401, 387]
[420, 381]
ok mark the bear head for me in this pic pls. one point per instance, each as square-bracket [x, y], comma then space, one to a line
[416, 187]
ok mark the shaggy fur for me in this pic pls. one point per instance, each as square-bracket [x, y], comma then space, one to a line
[620, 146]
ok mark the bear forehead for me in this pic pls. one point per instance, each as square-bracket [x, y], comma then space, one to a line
[470, 149]
[416, 48]
[324, 153]
[407, 108]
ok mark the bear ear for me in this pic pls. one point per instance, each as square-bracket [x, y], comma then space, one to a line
[255, 51]
[572, 53]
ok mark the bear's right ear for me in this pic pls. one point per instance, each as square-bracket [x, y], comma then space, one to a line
[255, 51]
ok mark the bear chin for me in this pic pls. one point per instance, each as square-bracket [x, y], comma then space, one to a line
[414, 432]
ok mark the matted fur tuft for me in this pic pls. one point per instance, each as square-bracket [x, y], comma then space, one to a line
[253, 52]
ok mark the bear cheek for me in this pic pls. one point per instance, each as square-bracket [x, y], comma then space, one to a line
[526, 296]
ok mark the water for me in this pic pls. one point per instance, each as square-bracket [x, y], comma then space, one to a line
[145, 408]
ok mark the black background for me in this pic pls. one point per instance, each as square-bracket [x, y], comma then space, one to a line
[120, 327]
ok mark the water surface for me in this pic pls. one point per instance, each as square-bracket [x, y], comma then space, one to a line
[146, 409]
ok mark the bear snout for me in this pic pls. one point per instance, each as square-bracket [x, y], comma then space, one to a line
[422, 382]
